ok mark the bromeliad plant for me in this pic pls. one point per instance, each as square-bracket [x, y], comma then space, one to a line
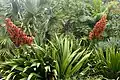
[109, 62]
[28, 63]
[68, 60]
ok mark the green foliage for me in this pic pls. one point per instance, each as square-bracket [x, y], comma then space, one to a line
[109, 62]
[97, 5]
[69, 59]
[113, 26]
[112, 41]
[29, 63]
[5, 45]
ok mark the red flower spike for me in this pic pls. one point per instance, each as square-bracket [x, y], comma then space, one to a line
[98, 28]
[17, 36]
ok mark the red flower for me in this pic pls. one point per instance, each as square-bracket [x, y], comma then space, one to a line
[17, 35]
[98, 28]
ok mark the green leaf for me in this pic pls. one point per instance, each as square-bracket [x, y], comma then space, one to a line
[38, 64]
[32, 6]
[10, 75]
[34, 64]
[31, 75]
[68, 59]
[1, 20]
[29, 6]
[72, 59]
[66, 49]
[80, 63]
[26, 68]
[14, 76]
[23, 74]
[23, 79]
[85, 70]
[19, 68]
[15, 7]
[14, 67]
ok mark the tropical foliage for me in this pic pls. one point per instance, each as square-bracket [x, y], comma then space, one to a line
[110, 62]
[59, 40]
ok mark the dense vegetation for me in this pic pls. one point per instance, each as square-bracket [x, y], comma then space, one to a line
[60, 39]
